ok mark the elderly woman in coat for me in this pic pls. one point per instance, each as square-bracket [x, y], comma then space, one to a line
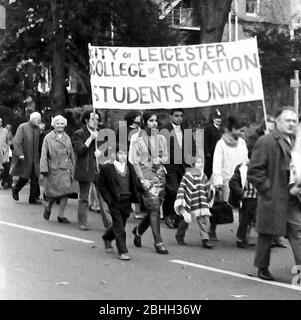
[57, 166]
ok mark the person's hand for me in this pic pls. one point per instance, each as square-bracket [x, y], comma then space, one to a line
[94, 135]
[97, 153]
[146, 184]
[21, 157]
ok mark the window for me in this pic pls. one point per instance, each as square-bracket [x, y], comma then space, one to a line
[252, 7]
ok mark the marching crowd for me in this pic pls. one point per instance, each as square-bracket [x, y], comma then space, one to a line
[161, 171]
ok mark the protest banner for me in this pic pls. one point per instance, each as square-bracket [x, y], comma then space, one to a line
[170, 77]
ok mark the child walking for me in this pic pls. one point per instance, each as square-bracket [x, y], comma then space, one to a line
[243, 195]
[194, 198]
[118, 185]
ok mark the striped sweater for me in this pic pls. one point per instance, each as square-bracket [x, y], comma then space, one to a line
[194, 194]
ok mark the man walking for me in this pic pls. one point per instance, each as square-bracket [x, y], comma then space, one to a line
[175, 167]
[26, 158]
[83, 141]
[269, 172]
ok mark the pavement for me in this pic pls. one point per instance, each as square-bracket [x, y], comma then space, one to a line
[46, 260]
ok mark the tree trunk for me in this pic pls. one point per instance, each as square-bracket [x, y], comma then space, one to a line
[58, 86]
[212, 15]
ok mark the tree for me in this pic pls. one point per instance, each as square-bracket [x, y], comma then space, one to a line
[56, 33]
[212, 16]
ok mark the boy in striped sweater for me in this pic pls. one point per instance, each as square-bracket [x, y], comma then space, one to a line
[194, 196]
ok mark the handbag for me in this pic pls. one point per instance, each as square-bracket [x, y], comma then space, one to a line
[221, 211]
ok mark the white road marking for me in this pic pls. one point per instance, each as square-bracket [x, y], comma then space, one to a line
[46, 232]
[236, 274]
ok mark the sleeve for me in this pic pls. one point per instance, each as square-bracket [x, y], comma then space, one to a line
[207, 142]
[18, 142]
[78, 143]
[257, 171]
[44, 157]
[102, 184]
[217, 166]
[135, 151]
[164, 150]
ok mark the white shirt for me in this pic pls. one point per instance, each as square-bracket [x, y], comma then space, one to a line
[178, 132]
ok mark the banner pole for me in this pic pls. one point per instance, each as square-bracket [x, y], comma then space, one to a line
[265, 113]
[94, 112]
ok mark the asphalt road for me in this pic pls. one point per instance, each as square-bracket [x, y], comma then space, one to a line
[40, 262]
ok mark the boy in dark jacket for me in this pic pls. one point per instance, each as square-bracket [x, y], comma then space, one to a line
[243, 195]
[119, 186]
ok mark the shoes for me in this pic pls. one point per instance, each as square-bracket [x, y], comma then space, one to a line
[63, 220]
[207, 244]
[15, 194]
[83, 227]
[35, 201]
[169, 222]
[124, 256]
[242, 244]
[160, 248]
[137, 239]
[180, 241]
[108, 246]
[264, 274]
[5, 185]
[278, 244]
[47, 214]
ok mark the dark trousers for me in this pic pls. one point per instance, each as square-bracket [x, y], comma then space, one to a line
[120, 213]
[34, 192]
[6, 178]
[247, 213]
[263, 250]
[173, 179]
[151, 219]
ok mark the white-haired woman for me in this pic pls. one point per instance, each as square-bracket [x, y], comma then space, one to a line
[57, 166]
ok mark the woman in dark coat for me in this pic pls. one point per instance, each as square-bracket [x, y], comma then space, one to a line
[57, 166]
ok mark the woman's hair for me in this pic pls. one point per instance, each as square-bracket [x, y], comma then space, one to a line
[131, 116]
[147, 115]
[233, 122]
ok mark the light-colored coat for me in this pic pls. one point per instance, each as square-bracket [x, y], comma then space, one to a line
[57, 165]
[26, 143]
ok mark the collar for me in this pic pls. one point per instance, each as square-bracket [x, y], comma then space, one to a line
[176, 126]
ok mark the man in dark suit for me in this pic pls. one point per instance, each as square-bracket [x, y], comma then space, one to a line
[212, 134]
[177, 151]
[83, 141]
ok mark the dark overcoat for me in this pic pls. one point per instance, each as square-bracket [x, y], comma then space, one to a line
[85, 161]
[211, 136]
[269, 173]
[57, 164]
[26, 143]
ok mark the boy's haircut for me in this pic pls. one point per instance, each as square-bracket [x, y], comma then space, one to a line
[86, 116]
[172, 111]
